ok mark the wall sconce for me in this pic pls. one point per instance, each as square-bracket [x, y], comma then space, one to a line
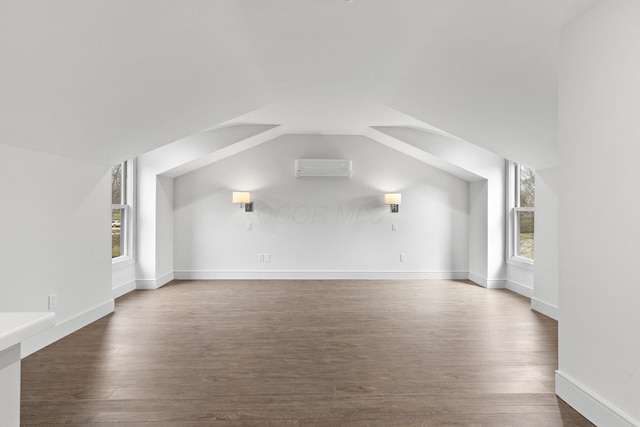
[393, 199]
[244, 198]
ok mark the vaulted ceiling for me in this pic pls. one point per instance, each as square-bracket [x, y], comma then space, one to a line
[110, 79]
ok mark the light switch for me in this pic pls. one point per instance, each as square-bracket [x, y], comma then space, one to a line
[248, 226]
[260, 257]
[403, 258]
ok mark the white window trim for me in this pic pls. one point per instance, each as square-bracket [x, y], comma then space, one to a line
[513, 194]
[130, 217]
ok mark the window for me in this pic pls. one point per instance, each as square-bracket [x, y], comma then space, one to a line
[522, 188]
[121, 210]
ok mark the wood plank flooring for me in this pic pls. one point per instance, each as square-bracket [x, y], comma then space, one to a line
[304, 353]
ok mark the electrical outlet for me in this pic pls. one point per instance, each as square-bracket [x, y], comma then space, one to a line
[403, 258]
[53, 301]
[394, 227]
[260, 257]
[267, 258]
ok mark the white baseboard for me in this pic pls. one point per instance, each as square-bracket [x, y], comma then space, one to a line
[65, 328]
[497, 284]
[154, 283]
[545, 308]
[478, 280]
[593, 407]
[520, 288]
[488, 283]
[123, 289]
[318, 275]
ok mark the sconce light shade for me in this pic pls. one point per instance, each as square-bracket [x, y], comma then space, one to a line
[244, 198]
[241, 197]
[394, 200]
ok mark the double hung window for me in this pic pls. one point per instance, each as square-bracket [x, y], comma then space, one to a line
[522, 183]
[121, 210]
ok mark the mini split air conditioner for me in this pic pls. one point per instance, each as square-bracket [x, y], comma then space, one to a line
[323, 167]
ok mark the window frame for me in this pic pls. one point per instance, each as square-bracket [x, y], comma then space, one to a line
[127, 225]
[513, 213]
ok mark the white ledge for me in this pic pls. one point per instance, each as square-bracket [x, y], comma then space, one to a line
[17, 327]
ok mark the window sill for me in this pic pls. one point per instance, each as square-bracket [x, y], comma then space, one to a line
[521, 262]
[121, 262]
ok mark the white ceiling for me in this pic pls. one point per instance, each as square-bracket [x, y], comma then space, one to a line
[109, 79]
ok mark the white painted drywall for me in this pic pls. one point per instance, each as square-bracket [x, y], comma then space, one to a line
[55, 220]
[520, 279]
[545, 291]
[328, 226]
[599, 348]
[478, 230]
[487, 220]
[496, 229]
[154, 210]
[123, 278]
[146, 223]
[164, 230]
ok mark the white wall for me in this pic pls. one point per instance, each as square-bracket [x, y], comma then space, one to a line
[146, 276]
[478, 235]
[599, 348]
[496, 229]
[154, 210]
[320, 227]
[55, 220]
[488, 230]
[545, 291]
[520, 279]
[123, 278]
[471, 162]
[164, 230]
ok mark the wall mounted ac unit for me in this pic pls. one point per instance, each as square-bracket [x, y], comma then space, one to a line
[323, 167]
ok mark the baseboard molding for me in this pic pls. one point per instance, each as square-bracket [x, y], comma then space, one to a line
[318, 275]
[154, 283]
[488, 283]
[520, 288]
[65, 328]
[593, 407]
[545, 308]
[123, 289]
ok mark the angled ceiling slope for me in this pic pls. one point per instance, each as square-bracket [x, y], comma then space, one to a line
[106, 80]
[451, 155]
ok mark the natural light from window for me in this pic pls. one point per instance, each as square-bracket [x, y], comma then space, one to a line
[120, 211]
[522, 200]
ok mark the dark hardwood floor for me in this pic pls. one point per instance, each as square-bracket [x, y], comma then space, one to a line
[304, 353]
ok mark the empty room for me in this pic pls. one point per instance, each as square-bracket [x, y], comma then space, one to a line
[319, 213]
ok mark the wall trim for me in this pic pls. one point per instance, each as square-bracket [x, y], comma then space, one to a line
[591, 405]
[66, 327]
[123, 289]
[154, 283]
[496, 284]
[545, 308]
[478, 280]
[488, 283]
[520, 288]
[317, 275]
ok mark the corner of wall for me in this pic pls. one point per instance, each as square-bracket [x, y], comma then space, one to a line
[545, 308]
[66, 327]
[589, 404]
[488, 283]
[154, 283]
